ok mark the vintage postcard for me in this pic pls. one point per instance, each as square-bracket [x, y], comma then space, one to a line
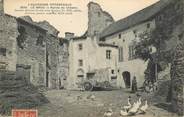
[91, 58]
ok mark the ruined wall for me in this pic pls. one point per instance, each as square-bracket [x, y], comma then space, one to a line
[47, 26]
[31, 50]
[177, 80]
[52, 44]
[98, 19]
[8, 35]
[169, 24]
[63, 65]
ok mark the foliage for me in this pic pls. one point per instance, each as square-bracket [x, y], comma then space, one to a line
[142, 48]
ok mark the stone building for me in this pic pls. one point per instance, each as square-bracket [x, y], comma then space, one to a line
[52, 55]
[170, 23]
[14, 77]
[89, 58]
[31, 49]
[42, 50]
[126, 34]
[8, 43]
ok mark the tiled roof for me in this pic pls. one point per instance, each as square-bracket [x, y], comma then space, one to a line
[134, 19]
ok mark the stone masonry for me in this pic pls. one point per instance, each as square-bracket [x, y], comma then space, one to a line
[42, 49]
[177, 79]
[52, 47]
[63, 64]
[1, 7]
[98, 19]
[32, 49]
[8, 50]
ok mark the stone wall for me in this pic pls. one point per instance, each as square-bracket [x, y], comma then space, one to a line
[166, 22]
[98, 19]
[169, 22]
[8, 35]
[1, 7]
[177, 79]
[47, 26]
[31, 50]
[63, 65]
[52, 45]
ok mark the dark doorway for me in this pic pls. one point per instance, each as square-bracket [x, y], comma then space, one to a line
[127, 80]
[47, 79]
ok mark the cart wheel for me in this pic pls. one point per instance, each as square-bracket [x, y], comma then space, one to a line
[106, 84]
[88, 86]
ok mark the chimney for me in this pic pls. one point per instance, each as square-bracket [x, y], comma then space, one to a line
[69, 35]
[1, 7]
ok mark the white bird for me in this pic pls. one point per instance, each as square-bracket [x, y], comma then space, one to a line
[108, 113]
[127, 107]
[123, 112]
[139, 102]
[144, 107]
[134, 109]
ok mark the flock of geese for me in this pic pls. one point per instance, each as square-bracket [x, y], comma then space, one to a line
[131, 109]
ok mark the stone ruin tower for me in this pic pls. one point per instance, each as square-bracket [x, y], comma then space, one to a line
[98, 19]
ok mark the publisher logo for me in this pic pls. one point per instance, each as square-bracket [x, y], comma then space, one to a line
[24, 113]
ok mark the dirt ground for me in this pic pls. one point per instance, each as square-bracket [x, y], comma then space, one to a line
[65, 103]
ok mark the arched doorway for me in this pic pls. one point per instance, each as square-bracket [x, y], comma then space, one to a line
[127, 79]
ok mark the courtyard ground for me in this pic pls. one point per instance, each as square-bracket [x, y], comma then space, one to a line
[65, 103]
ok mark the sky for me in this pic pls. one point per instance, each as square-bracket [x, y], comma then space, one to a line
[77, 22]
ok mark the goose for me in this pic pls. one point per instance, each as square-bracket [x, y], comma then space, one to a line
[144, 107]
[108, 113]
[127, 107]
[134, 109]
[139, 102]
[123, 112]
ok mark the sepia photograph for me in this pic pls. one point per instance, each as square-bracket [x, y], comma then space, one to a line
[91, 58]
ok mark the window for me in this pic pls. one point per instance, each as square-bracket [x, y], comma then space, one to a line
[39, 40]
[3, 51]
[112, 71]
[119, 36]
[120, 54]
[108, 54]
[80, 46]
[148, 25]
[80, 62]
[131, 52]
